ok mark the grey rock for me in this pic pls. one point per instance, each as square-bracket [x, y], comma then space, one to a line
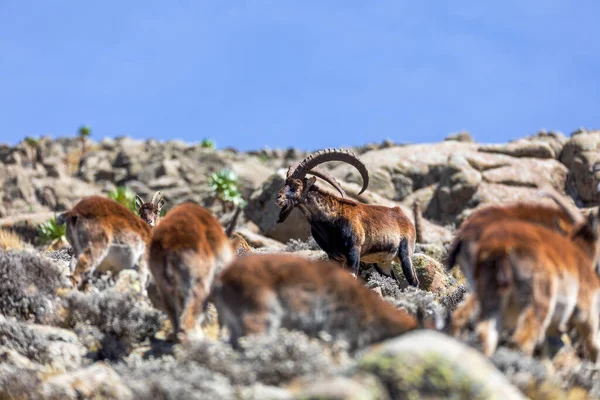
[428, 363]
[264, 212]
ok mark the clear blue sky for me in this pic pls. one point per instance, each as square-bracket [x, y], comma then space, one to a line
[304, 73]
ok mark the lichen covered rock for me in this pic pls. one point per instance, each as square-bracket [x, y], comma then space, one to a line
[430, 364]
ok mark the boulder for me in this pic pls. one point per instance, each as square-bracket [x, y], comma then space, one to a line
[430, 272]
[541, 145]
[579, 155]
[429, 364]
[264, 212]
[462, 136]
[457, 185]
[357, 387]
[406, 168]
[96, 381]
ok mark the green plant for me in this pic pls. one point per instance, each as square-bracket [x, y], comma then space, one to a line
[51, 233]
[224, 185]
[84, 132]
[31, 141]
[208, 143]
[125, 196]
[264, 157]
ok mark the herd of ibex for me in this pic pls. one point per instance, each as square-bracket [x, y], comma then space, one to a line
[532, 268]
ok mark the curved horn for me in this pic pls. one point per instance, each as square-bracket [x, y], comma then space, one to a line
[231, 227]
[574, 215]
[328, 178]
[292, 168]
[326, 155]
[156, 198]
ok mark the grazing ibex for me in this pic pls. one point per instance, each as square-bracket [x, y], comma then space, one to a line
[563, 218]
[348, 231]
[150, 211]
[188, 248]
[259, 293]
[105, 236]
[528, 277]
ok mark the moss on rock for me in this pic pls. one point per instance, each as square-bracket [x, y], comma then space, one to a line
[432, 365]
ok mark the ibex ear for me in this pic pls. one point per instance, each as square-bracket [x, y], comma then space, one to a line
[307, 185]
[138, 201]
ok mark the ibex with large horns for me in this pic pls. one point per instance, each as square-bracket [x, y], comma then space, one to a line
[150, 211]
[348, 231]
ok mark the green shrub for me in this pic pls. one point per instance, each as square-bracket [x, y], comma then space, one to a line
[125, 196]
[52, 234]
[208, 143]
[224, 185]
[84, 132]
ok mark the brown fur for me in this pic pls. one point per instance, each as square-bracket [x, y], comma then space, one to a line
[349, 231]
[471, 229]
[106, 236]
[240, 244]
[529, 277]
[188, 248]
[257, 294]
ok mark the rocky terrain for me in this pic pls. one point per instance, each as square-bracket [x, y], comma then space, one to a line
[109, 342]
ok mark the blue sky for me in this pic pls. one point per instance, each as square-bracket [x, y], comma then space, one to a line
[309, 73]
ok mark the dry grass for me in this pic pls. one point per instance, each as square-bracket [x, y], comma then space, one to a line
[10, 240]
[459, 276]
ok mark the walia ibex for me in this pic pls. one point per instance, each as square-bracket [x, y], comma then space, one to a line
[149, 211]
[188, 248]
[348, 231]
[259, 293]
[530, 277]
[105, 236]
[562, 218]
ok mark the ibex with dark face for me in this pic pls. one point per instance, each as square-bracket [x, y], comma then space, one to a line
[348, 231]
[150, 211]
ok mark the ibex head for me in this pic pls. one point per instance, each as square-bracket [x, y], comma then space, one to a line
[297, 185]
[150, 211]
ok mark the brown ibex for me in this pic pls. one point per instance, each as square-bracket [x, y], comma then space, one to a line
[563, 218]
[188, 248]
[529, 276]
[150, 211]
[348, 231]
[105, 236]
[259, 293]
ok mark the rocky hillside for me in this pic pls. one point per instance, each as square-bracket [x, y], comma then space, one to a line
[109, 343]
[449, 179]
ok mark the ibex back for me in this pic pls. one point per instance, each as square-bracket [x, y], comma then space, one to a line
[105, 236]
[188, 248]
